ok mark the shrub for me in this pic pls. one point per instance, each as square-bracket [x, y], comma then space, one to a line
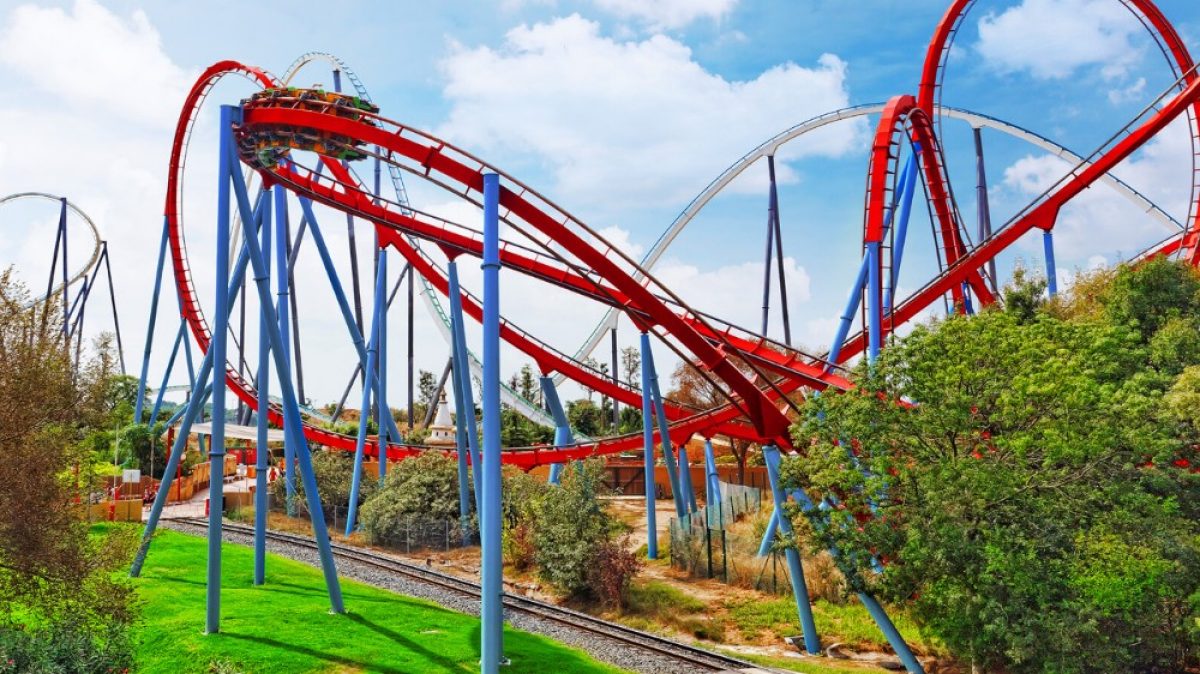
[422, 489]
[65, 648]
[334, 471]
[611, 571]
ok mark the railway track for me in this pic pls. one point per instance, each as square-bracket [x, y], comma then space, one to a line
[697, 659]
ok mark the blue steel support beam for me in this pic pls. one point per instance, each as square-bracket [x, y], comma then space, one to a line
[492, 582]
[665, 436]
[464, 423]
[281, 285]
[874, 298]
[562, 427]
[462, 376]
[812, 643]
[216, 452]
[339, 294]
[648, 452]
[685, 479]
[186, 416]
[712, 481]
[384, 411]
[262, 453]
[906, 201]
[162, 389]
[1051, 268]
[158, 274]
[293, 424]
[371, 370]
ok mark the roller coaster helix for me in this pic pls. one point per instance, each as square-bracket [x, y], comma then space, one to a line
[303, 144]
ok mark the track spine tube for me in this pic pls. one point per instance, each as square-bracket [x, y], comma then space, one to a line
[648, 452]
[262, 453]
[218, 347]
[812, 642]
[492, 634]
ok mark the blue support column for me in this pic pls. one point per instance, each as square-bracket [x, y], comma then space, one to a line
[648, 453]
[768, 538]
[356, 334]
[562, 427]
[262, 454]
[186, 417]
[874, 297]
[906, 201]
[281, 285]
[368, 385]
[492, 634]
[812, 643]
[903, 652]
[158, 274]
[464, 422]
[162, 389]
[685, 479]
[712, 480]
[664, 435]
[462, 377]
[384, 411]
[292, 422]
[1051, 269]
[216, 453]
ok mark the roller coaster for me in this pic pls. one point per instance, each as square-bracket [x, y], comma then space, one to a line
[69, 281]
[303, 145]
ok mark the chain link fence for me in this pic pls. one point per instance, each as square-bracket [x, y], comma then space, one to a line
[722, 542]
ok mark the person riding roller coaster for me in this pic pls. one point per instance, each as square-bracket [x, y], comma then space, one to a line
[268, 145]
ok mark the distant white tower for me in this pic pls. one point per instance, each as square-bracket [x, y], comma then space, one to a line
[442, 432]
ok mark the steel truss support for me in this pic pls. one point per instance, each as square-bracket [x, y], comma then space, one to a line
[492, 612]
[283, 312]
[293, 429]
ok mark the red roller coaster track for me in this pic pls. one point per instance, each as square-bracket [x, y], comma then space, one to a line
[757, 373]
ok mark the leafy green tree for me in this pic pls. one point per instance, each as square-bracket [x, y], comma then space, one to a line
[1150, 294]
[585, 417]
[1027, 505]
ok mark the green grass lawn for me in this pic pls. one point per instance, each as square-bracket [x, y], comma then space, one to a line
[285, 626]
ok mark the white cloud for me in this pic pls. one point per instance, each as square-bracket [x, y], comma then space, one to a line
[92, 57]
[1051, 39]
[635, 122]
[1128, 94]
[667, 13]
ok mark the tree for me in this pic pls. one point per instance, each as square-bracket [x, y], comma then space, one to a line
[57, 580]
[586, 418]
[1029, 506]
[419, 489]
[631, 366]
[692, 389]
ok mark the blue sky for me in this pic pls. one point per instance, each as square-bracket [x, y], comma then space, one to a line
[618, 110]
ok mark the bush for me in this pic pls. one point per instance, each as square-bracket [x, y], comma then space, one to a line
[66, 648]
[334, 470]
[422, 489]
[611, 571]
[577, 550]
